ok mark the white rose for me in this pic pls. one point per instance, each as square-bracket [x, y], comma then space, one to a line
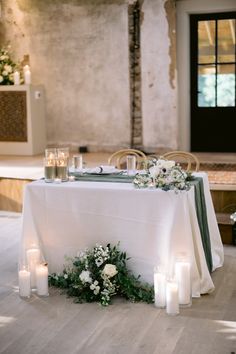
[85, 276]
[154, 171]
[5, 73]
[169, 164]
[110, 270]
[8, 68]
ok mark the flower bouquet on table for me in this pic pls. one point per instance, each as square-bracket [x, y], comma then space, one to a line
[99, 274]
[7, 67]
[164, 174]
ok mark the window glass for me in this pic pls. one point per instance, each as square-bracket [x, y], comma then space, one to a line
[226, 41]
[206, 42]
[226, 86]
[206, 86]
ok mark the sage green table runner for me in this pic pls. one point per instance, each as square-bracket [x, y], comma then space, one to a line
[200, 204]
[201, 210]
[109, 177]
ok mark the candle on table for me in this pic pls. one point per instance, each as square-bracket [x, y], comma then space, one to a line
[42, 279]
[183, 277]
[62, 169]
[26, 68]
[24, 283]
[49, 169]
[16, 77]
[27, 77]
[33, 259]
[172, 298]
[159, 288]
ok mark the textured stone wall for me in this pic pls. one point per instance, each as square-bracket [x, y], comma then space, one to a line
[159, 113]
[79, 50]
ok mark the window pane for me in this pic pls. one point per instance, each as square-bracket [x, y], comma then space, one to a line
[206, 86]
[226, 41]
[226, 86]
[206, 42]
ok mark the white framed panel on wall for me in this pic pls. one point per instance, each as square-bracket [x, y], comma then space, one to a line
[184, 9]
[22, 118]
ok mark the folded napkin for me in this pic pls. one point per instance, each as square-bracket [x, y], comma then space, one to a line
[103, 169]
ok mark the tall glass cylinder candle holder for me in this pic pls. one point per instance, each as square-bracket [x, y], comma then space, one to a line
[42, 279]
[63, 153]
[33, 259]
[62, 169]
[49, 170]
[51, 153]
[159, 287]
[183, 278]
[24, 283]
[131, 165]
[172, 297]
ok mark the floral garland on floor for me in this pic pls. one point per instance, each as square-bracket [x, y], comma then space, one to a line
[98, 275]
[163, 174]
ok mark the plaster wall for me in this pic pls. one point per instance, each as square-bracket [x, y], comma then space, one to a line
[79, 52]
[160, 125]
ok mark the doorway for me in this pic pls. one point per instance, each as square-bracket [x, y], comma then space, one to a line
[212, 82]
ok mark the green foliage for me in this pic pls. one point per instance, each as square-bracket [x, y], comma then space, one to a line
[7, 67]
[98, 275]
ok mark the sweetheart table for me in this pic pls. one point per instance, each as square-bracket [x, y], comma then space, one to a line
[153, 226]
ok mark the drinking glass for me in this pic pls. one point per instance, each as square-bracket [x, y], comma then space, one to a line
[131, 165]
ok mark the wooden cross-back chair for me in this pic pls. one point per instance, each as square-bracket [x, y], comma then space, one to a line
[188, 159]
[118, 158]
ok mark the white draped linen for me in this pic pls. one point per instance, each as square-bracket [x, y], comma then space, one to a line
[152, 226]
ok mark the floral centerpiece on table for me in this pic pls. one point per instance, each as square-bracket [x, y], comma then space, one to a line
[164, 174]
[7, 67]
[99, 274]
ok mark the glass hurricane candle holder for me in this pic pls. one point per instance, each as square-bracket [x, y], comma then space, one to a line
[159, 287]
[33, 259]
[49, 169]
[24, 282]
[172, 297]
[62, 169]
[51, 153]
[42, 279]
[183, 278]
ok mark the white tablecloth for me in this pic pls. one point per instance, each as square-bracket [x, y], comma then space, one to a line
[153, 226]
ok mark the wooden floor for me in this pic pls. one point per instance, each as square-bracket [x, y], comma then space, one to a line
[57, 325]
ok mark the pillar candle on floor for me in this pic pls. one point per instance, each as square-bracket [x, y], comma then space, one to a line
[42, 279]
[24, 283]
[33, 259]
[159, 288]
[172, 298]
[182, 273]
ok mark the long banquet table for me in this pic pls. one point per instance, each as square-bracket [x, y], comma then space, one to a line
[153, 226]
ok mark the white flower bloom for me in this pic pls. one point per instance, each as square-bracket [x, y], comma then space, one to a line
[65, 276]
[154, 171]
[1, 78]
[85, 276]
[4, 73]
[99, 261]
[96, 291]
[110, 270]
[8, 68]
